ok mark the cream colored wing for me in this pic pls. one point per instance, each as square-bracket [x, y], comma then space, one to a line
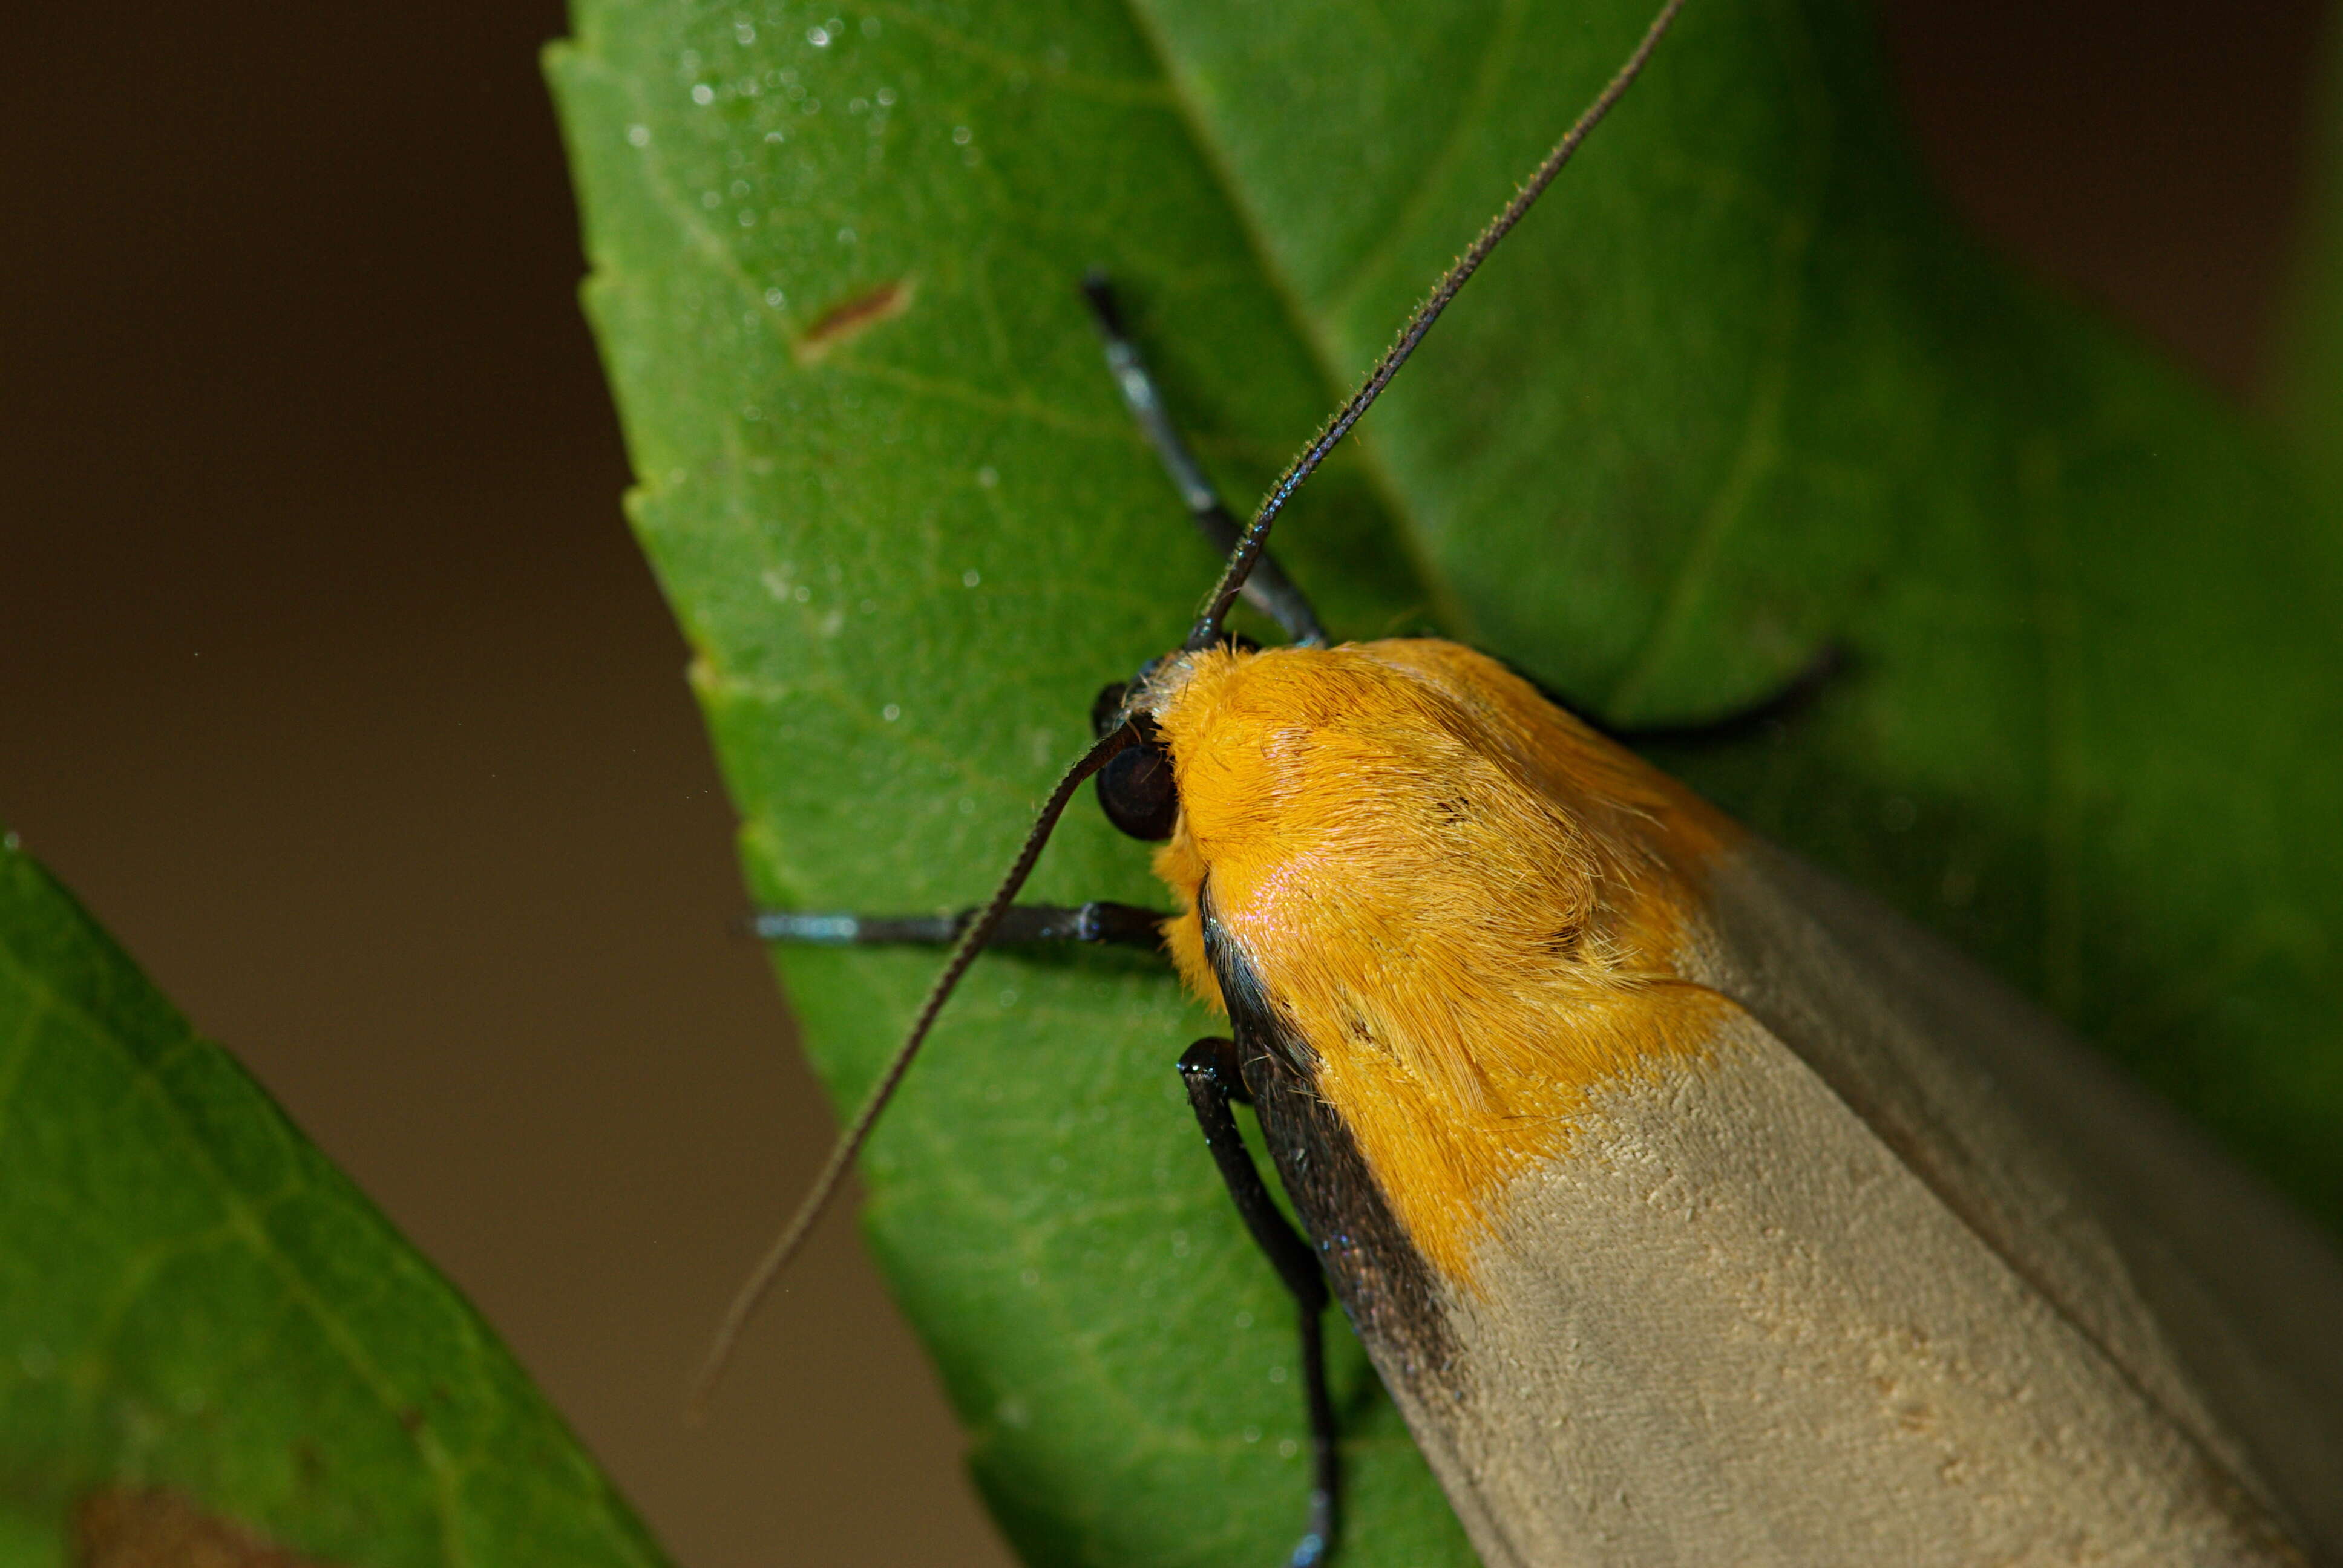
[2223, 1305]
[1730, 1326]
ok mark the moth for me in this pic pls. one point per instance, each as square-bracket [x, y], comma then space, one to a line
[1693, 1207]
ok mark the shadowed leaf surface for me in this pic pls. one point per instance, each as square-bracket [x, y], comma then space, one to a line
[191, 1298]
[1732, 396]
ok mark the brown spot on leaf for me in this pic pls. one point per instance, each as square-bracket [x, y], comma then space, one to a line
[844, 322]
[149, 1527]
[309, 1462]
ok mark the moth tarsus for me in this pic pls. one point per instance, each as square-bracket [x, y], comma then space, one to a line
[1100, 922]
[1267, 588]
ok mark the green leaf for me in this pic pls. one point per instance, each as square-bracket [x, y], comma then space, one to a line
[1732, 396]
[191, 1298]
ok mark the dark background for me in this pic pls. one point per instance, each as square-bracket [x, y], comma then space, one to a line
[330, 678]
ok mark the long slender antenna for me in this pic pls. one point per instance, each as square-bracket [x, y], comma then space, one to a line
[1207, 630]
[858, 1131]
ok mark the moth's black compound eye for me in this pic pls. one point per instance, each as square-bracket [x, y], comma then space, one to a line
[1135, 788]
[1136, 792]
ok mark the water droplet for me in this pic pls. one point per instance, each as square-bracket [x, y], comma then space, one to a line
[871, 27]
[856, 105]
[712, 198]
[971, 578]
[639, 135]
[1244, 1319]
[777, 135]
[1253, 1434]
[1008, 999]
[963, 136]
[745, 31]
[803, 595]
[890, 713]
[987, 477]
[776, 298]
[1287, 1448]
[968, 806]
[846, 236]
[886, 94]
[818, 37]
[703, 95]
[1029, 1278]
[1277, 1374]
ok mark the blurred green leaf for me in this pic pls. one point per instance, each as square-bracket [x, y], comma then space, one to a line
[1735, 395]
[191, 1298]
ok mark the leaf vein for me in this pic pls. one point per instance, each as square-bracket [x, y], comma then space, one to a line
[1342, 294]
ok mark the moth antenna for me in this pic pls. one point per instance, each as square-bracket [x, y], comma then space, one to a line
[1207, 630]
[816, 1200]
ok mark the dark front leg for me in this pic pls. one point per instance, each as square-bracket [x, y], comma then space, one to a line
[1210, 1070]
[1099, 921]
[1822, 672]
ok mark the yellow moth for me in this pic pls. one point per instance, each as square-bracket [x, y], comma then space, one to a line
[1694, 1208]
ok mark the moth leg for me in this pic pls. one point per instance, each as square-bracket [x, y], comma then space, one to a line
[1268, 590]
[1792, 699]
[1099, 921]
[1210, 1070]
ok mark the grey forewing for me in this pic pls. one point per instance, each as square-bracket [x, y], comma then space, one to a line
[1383, 1283]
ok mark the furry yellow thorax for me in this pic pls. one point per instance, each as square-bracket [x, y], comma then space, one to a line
[1471, 907]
